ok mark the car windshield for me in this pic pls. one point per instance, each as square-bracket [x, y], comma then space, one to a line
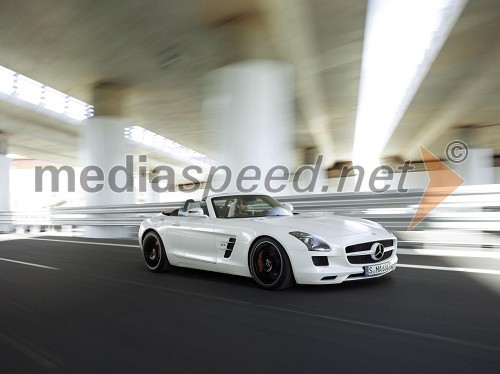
[244, 206]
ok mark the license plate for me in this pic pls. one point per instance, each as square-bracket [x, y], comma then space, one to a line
[377, 269]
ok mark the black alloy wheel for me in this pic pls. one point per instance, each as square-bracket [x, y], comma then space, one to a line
[154, 253]
[269, 265]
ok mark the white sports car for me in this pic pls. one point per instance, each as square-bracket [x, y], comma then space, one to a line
[256, 236]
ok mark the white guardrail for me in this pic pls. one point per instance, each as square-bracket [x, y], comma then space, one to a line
[464, 210]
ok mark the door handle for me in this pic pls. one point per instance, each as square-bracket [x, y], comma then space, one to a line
[176, 224]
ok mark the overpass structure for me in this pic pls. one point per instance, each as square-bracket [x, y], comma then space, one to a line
[247, 82]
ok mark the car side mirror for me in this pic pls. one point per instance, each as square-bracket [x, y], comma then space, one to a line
[288, 206]
[196, 212]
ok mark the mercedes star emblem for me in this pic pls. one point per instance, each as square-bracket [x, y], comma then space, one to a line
[378, 251]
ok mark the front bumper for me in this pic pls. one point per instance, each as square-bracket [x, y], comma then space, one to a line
[339, 268]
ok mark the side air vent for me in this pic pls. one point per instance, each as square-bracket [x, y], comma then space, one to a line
[229, 247]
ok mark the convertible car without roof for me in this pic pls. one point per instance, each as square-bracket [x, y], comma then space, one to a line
[259, 237]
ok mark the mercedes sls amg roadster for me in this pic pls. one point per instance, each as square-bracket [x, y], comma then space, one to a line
[257, 236]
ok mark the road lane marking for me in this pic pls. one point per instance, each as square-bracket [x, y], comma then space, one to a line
[389, 328]
[426, 267]
[29, 264]
[444, 268]
[175, 290]
[82, 242]
[308, 314]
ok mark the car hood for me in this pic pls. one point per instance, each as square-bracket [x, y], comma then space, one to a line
[322, 224]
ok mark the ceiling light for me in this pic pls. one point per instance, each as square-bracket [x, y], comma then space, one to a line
[402, 39]
[14, 156]
[150, 139]
[26, 90]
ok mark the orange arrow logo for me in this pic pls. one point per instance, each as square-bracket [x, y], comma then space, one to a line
[442, 182]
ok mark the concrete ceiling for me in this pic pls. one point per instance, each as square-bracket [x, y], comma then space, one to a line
[163, 50]
[461, 89]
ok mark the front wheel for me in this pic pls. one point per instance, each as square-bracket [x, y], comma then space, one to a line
[154, 253]
[269, 265]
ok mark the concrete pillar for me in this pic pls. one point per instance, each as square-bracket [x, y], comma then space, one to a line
[4, 183]
[249, 108]
[152, 196]
[315, 177]
[103, 145]
[477, 169]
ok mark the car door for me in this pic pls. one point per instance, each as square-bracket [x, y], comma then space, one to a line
[192, 237]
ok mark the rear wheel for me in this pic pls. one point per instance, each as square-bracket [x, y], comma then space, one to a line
[154, 253]
[269, 265]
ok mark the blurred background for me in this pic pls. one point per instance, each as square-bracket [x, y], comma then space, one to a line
[249, 82]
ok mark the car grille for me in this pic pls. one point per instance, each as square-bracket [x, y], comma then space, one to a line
[367, 246]
[367, 259]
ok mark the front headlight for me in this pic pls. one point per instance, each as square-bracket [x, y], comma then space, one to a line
[313, 243]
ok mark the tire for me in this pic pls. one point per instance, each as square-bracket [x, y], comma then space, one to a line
[269, 265]
[154, 253]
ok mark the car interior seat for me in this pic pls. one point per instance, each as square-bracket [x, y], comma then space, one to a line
[205, 209]
[193, 205]
[232, 209]
[187, 204]
[222, 211]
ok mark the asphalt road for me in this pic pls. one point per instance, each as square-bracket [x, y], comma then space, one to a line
[96, 308]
